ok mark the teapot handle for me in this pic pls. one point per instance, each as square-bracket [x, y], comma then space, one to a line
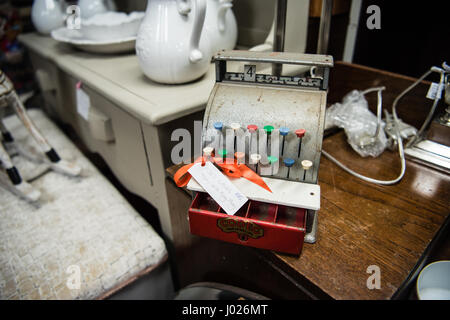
[224, 6]
[195, 55]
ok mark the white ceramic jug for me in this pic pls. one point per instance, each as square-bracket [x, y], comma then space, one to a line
[47, 15]
[221, 25]
[171, 46]
[89, 8]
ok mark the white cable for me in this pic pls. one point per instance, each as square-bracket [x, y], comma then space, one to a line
[433, 108]
[379, 106]
[400, 149]
[396, 122]
[367, 179]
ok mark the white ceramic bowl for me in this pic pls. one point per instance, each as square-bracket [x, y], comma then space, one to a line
[111, 26]
[433, 282]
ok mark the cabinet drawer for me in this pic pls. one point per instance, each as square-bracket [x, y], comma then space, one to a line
[47, 76]
[115, 135]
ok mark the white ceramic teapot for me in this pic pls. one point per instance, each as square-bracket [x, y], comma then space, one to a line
[89, 8]
[221, 25]
[171, 46]
[47, 15]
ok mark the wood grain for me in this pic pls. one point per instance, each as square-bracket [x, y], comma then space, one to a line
[362, 224]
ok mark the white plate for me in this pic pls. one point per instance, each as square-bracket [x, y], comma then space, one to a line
[75, 38]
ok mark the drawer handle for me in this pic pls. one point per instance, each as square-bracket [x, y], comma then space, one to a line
[100, 125]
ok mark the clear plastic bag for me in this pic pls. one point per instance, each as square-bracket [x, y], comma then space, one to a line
[359, 124]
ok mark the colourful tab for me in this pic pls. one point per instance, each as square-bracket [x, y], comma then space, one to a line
[272, 159]
[269, 129]
[218, 125]
[288, 162]
[284, 131]
[223, 153]
[300, 133]
[239, 155]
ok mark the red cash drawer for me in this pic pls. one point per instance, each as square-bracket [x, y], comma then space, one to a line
[256, 224]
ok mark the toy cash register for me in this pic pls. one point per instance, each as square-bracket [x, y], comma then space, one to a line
[274, 126]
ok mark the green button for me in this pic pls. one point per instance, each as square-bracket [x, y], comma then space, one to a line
[269, 129]
[272, 159]
[223, 153]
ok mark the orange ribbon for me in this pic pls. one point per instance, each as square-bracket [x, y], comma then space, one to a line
[233, 170]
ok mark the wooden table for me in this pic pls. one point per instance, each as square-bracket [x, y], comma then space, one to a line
[360, 224]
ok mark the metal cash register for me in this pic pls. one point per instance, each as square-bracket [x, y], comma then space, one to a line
[274, 124]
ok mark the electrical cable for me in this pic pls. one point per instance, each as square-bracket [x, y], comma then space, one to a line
[396, 122]
[379, 106]
[433, 108]
[399, 142]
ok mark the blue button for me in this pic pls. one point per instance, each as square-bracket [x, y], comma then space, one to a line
[218, 125]
[289, 162]
[284, 131]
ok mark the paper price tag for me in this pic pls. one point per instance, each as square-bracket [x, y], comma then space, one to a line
[434, 91]
[83, 102]
[219, 187]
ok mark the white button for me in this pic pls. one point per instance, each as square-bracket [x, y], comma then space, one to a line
[255, 158]
[306, 164]
[208, 151]
[235, 126]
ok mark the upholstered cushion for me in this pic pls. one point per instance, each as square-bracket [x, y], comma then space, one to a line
[79, 224]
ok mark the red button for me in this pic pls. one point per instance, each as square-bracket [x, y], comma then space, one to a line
[300, 133]
[252, 127]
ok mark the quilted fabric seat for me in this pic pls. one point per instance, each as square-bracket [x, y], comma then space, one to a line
[81, 241]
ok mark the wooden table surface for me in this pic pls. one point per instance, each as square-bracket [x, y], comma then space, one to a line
[362, 224]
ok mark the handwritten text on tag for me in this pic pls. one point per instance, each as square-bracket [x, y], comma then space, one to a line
[219, 187]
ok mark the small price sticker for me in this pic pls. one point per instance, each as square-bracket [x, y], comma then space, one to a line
[435, 91]
[219, 187]
[83, 102]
